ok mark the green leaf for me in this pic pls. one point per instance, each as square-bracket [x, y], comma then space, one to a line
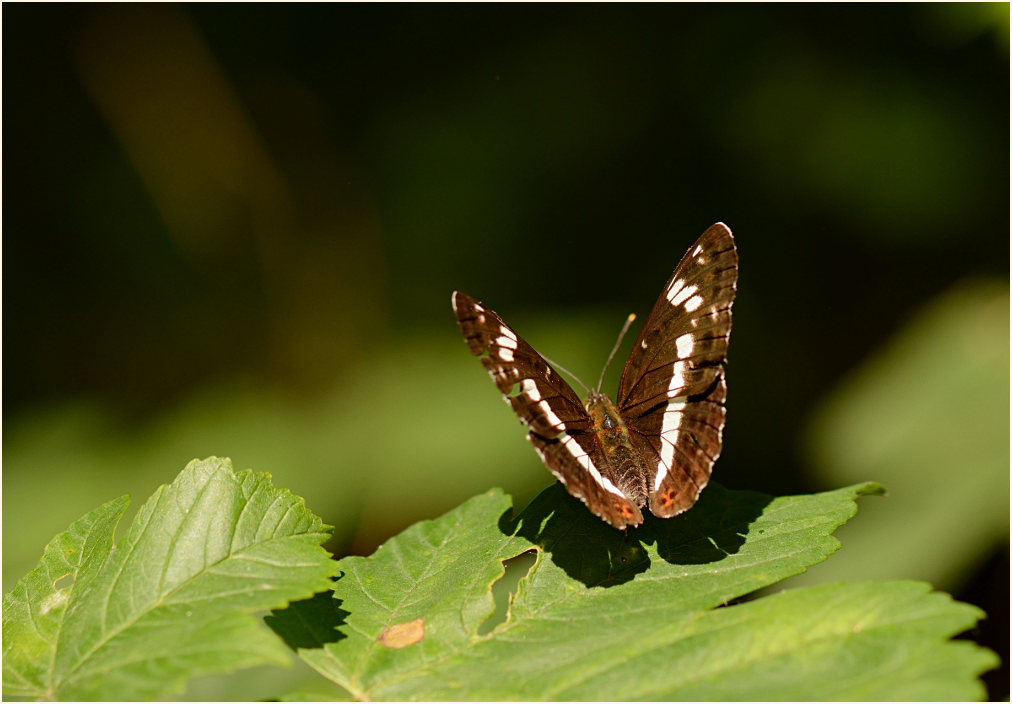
[604, 616]
[172, 599]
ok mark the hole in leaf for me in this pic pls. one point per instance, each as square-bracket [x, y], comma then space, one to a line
[63, 582]
[504, 588]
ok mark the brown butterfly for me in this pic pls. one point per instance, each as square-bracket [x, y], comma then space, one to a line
[656, 446]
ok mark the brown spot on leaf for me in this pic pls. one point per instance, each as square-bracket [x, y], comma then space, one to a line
[402, 635]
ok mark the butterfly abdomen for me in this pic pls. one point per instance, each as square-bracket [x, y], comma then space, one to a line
[625, 467]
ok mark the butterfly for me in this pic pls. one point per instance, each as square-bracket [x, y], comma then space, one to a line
[655, 446]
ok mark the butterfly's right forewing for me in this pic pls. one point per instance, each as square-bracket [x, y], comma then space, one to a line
[673, 389]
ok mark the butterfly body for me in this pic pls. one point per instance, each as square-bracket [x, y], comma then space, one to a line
[656, 444]
[624, 467]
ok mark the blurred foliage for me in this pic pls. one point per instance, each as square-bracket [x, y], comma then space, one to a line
[233, 230]
[926, 416]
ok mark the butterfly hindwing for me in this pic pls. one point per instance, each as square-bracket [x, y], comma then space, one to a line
[560, 428]
[584, 478]
[673, 390]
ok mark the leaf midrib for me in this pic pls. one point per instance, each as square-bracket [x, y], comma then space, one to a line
[162, 599]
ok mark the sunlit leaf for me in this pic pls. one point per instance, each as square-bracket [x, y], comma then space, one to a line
[602, 615]
[173, 599]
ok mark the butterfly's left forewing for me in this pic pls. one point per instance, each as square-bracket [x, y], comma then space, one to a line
[560, 429]
[536, 393]
[673, 390]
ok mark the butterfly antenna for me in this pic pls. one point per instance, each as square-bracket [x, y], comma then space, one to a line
[625, 328]
[563, 369]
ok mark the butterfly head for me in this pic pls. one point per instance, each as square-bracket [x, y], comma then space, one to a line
[603, 412]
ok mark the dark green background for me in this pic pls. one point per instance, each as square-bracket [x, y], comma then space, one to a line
[234, 230]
